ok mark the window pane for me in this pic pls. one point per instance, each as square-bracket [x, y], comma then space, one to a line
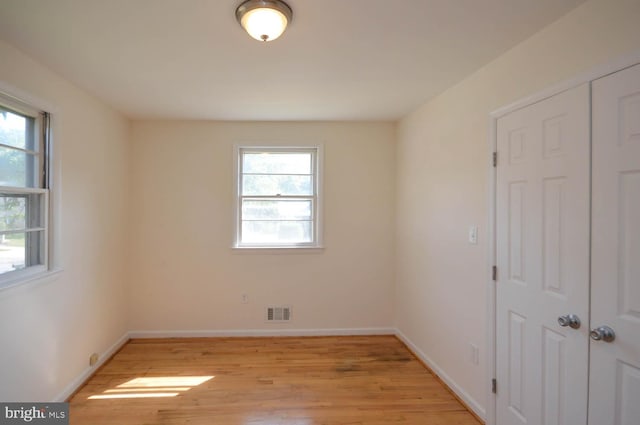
[267, 185]
[12, 252]
[21, 250]
[276, 210]
[13, 212]
[276, 232]
[16, 130]
[21, 211]
[18, 169]
[277, 163]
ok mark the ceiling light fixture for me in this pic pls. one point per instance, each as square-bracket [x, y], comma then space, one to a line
[264, 20]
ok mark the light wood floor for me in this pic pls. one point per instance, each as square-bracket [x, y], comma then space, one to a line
[371, 380]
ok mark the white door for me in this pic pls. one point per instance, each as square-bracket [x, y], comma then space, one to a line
[614, 393]
[542, 235]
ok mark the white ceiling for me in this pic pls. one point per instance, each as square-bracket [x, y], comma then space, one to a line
[339, 60]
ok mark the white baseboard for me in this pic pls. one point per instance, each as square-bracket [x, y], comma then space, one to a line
[261, 332]
[80, 380]
[464, 396]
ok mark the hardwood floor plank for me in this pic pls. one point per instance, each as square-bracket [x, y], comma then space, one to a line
[266, 381]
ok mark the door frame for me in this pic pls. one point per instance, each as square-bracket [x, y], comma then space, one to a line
[597, 72]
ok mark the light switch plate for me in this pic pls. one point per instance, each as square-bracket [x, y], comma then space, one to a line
[473, 235]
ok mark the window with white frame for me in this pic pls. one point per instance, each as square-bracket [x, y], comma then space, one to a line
[24, 191]
[278, 199]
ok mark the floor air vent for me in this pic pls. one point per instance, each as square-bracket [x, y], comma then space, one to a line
[278, 314]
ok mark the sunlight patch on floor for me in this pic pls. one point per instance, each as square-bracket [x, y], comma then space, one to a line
[150, 387]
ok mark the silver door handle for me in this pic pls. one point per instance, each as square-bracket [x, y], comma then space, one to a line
[603, 333]
[570, 320]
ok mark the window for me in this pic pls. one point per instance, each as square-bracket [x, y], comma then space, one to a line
[277, 197]
[24, 191]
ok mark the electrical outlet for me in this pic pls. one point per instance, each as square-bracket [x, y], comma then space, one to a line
[245, 299]
[93, 359]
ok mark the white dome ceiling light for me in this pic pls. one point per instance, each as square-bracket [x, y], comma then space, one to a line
[264, 20]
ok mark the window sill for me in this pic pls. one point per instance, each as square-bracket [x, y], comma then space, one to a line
[278, 249]
[30, 278]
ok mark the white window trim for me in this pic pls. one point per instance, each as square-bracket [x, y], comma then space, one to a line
[39, 272]
[317, 244]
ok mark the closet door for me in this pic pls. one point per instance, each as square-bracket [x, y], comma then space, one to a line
[542, 243]
[614, 393]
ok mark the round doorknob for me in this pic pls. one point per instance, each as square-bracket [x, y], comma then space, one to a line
[603, 333]
[570, 320]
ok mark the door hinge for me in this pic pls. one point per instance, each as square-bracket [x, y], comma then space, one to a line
[494, 273]
[495, 159]
[494, 386]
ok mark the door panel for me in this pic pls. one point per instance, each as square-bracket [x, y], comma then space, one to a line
[542, 234]
[614, 395]
[553, 386]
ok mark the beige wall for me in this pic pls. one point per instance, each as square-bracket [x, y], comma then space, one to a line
[442, 183]
[185, 276]
[50, 327]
